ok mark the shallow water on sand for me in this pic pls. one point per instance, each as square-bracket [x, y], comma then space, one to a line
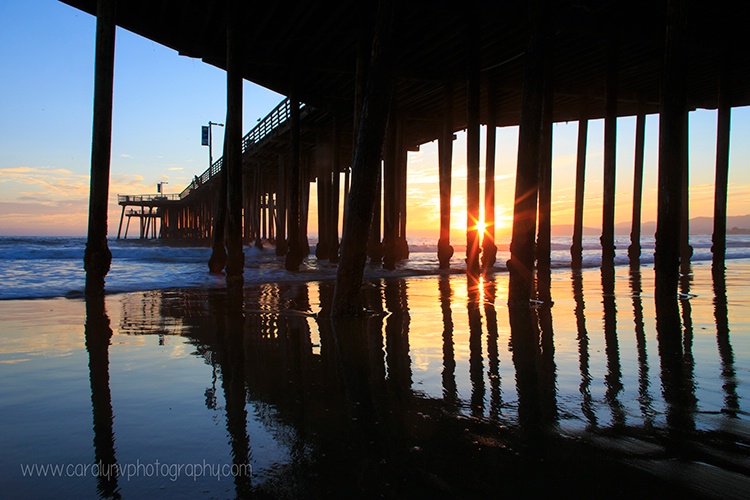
[440, 390]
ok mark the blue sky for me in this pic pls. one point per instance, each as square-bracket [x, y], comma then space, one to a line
[162, 99]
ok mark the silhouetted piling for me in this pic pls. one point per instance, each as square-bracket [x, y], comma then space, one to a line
[576, 249]
[672, 126]
[235, 265]
[97, 256]
[489, 249]
[610, 149]
[634, 250]
[723, 125]
[295, 255]
[333, 230]
[544, 236]
[472, 151]
[521, 263]
[375, 106]
[445, 160]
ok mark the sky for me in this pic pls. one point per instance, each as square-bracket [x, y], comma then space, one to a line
[161, 100]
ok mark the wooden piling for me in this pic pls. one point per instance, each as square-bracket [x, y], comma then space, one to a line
[489, 249]
[295, 255]
[472, 150]
[402, 246]
[686, 251]
[610, 150]
[218, 258]
[390, 197]
[576, 249]
[333, 242]
[544, 235]
[521, 263]
[235, 265]
[445, 156]
[634, 250]
[723, 126]
[375, 106]
[673, 115]
[97, 256]
[281, 243]
[374, 245]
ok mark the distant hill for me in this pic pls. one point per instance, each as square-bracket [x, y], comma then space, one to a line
[736, 224]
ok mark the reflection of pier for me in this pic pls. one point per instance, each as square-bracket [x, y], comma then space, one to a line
[350, 388]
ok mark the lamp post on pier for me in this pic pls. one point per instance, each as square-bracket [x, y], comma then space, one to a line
[207, 140]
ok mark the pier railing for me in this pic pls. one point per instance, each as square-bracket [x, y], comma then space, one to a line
[273, 120]
[140, 198]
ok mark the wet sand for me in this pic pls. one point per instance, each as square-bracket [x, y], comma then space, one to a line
[440, 390]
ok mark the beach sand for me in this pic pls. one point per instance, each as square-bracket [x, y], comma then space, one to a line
[440, 390]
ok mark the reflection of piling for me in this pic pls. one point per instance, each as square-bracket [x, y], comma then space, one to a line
[230, 340]
[524, 344]
[644, 396]
[675, 388]
[397, 335]
[476, 363]
[584, 388]
[450, 392]
[98, 335]
[613, 379]
[490, 314]
[728, 373]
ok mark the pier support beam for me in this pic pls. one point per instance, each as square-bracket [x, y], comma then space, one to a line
[521, 263]
[634, 250]
[333, 243]
[375, 245]
[445, 160]
[281, 184]
[610, 151]
[402, 246]
[218, 258]
[576, 249]
[375, 106]
[233, 149]
[719, 238]
[672, 125]
[472, 151]
[390, 190]
[686, 251]
[544, 236]
[489, 249]
[295, 255]
[97, 256]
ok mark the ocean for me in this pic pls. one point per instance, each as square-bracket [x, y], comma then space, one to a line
[44, 267]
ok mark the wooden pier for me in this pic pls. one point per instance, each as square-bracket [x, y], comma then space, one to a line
[369, 81]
